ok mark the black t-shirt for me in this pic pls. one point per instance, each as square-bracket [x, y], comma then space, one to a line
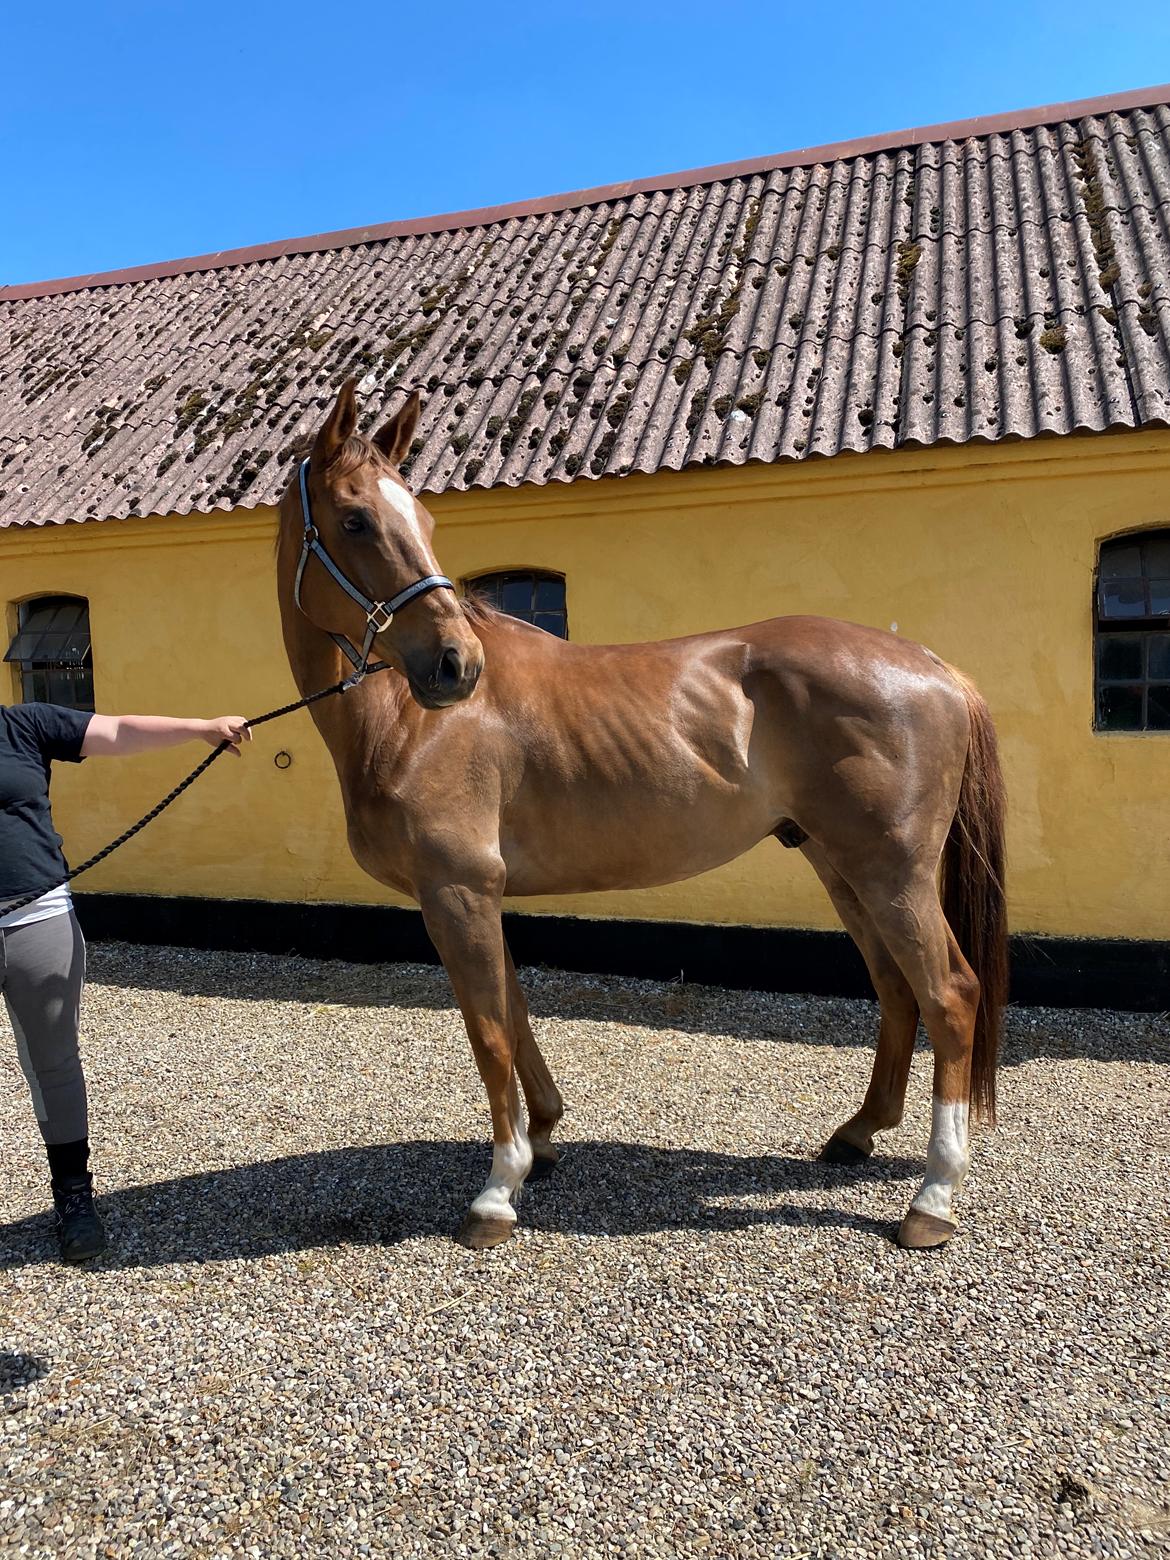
[31, 737]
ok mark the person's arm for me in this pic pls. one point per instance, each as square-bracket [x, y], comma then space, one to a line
[117, 736]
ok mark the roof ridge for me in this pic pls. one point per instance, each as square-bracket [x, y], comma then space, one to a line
[985, 125]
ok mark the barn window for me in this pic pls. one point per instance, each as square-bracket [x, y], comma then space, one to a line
[533, 595]
[1133, 633]
[53, 651]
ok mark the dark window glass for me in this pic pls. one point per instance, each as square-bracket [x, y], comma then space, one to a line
[1159, 653]
[1133, 633]
[516, 597]
[1123, 599]
[529, 596]
[1121, 560]
[52, 648]
[1120, 657]
[1119, 708]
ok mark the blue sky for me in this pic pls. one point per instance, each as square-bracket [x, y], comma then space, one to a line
[135, 132]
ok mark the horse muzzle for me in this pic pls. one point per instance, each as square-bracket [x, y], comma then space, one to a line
[451, 679]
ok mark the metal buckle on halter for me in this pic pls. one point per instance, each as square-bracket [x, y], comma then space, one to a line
[372, 620]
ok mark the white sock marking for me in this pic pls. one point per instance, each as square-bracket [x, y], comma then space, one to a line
[511, 1162]
[946, 1159]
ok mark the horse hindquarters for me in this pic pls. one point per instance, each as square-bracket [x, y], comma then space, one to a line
[951, 966]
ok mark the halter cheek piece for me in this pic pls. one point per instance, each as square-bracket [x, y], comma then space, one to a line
[379, 614]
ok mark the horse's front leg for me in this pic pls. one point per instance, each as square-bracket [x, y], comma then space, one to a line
[543, 1098]
[464, 925]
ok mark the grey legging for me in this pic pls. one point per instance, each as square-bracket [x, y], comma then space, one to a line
[42, 971]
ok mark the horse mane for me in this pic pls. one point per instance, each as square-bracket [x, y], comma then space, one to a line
[355, 452]
[479, 612]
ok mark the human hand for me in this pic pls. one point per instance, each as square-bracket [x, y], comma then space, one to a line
[233, 729]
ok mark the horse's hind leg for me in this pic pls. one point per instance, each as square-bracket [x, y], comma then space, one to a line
[909, 918]
[886, 1095]
[464, 925]
[543, 1098]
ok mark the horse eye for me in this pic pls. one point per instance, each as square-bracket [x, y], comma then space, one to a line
[355, 524]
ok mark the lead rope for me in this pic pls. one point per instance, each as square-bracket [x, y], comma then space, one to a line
[259, 720]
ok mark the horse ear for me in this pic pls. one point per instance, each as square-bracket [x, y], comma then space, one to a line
[394, 437]
[338, 426]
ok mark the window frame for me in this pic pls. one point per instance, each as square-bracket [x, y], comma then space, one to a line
[1151, 629]
[69, 681]
[474, 583]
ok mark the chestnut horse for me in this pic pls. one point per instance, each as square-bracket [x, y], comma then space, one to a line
[506, 761]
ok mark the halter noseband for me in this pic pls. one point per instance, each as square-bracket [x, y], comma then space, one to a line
[379, 614]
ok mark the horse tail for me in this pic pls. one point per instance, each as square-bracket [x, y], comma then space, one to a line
[973, 897]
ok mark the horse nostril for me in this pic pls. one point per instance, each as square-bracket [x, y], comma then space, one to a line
[450, 671]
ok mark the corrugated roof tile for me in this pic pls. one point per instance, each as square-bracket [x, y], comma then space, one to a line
[988, 286]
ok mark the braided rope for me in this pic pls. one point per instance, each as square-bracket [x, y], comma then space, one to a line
[171, 796]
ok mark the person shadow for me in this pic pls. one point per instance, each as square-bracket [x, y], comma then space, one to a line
[387, 1193]
[18, 1371]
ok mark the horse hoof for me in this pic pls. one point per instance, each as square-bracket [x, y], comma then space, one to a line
[478, 1232]
[544, 1162]
[839, 1151]
[924, 1231]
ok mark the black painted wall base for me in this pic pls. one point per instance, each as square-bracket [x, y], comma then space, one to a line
[1056, 971]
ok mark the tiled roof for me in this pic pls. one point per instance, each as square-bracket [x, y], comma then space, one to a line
[983, 281]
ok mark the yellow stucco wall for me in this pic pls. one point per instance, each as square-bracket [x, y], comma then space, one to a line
[985, 554]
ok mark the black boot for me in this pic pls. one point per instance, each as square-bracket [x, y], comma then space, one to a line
[80, 1232]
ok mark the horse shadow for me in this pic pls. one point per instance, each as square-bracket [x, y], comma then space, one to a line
[389, 1193]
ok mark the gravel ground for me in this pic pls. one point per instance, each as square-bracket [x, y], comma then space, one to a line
[701, 1342]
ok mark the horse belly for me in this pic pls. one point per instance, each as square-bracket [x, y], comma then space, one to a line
[632, 846]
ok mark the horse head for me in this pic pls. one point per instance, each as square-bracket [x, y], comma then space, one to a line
[363, 534]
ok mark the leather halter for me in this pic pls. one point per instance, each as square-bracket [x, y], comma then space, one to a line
[379, 614]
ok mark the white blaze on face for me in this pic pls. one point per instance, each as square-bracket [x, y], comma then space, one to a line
[403, 502]
[511, 1162]
[946, 1159]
